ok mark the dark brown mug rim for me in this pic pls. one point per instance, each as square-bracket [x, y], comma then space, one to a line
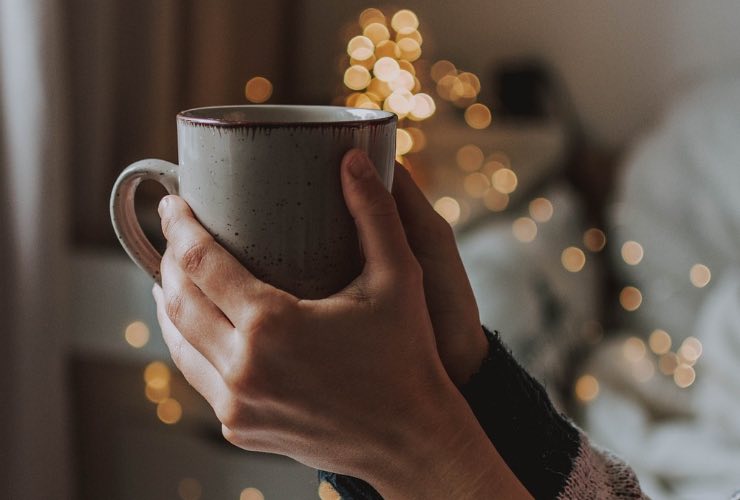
[186, 117]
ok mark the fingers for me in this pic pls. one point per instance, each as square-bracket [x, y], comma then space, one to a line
[374, 210]
[428, 234]
[214, 270]
[196, 369]
[198, 319]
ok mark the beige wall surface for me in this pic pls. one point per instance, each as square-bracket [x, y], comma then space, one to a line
[621, 59]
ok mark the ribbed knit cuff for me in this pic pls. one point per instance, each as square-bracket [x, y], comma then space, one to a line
[533, 438]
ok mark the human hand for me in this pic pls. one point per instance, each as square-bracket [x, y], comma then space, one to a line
[351, 383]
[452, 307]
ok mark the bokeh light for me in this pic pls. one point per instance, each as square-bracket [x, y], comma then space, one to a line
[684, 375]
[386, 69]
[422, 107]
[659, 341]
[327, 492]
[504, 181]
[668, 363]
[169, 411]
[418, 138]
[587, 388]
[524, 229]
[251, 494]
[442, 68]
[389, 49]
[478, 116]
[634, 349]
[573, 259]
[495, 201]
[630, 298]
[376, 32]
[404, 142]
[700, 275]
[258, 89]
[371, 15]
[404, 21]
[594, 239]
[357, 77]
[137, 334]
[691, 350]
[643, 370]
[469, 158]
[156, 394]
[476, 185]
[448, 208]
[632, 253]
[157, 374]
[360, 48]
[540, 209]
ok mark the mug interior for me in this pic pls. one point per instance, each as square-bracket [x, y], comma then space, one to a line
[257, 115]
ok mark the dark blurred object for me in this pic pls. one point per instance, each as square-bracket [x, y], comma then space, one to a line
[523, 89]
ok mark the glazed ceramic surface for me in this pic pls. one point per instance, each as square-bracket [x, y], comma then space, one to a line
[265, 182]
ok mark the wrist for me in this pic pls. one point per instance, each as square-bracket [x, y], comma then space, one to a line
[444, 454]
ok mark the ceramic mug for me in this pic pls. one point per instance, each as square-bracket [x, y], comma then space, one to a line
[265, 182]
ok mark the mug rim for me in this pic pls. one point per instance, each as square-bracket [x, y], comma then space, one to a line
[378, 117]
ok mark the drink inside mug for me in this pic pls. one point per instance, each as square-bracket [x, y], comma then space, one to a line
[264, 180]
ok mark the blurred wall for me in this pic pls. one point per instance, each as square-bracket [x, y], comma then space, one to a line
[620, 59]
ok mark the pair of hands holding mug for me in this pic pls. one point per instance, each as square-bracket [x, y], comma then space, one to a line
[360, 383]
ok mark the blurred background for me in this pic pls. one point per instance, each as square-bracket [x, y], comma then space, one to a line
[587, 154]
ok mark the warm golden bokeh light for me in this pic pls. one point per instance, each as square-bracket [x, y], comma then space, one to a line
[504, 181]
[587, 388]
[541, 209]
[403, 81]
[594, 239]
[660, 342]
[524, 229]
[156, 394]
[379, 88]
[418, 139]
[404, 21]
[399, 102]
[404, 142]
[387, 48]
[357, 77]
[478, 116]
[471, 84]
[573, 259]
[469, 158]
[360, 48]
[476, 184]
[634, 349]
[410, 49]
[386, 69]
[137, 334]
[442, 68]
[700, 275]
[690, 350]
[684, 375]
[371, 15]
[630, 298]
[668, 363]
[251, 494]
[632, 253]
[367, 63]
[495, 201]
[448, 208]
[422, 107]
[258, 89]
[189, 489]
[169, 411]
[376, 32]
[157, 374]
[327, 492]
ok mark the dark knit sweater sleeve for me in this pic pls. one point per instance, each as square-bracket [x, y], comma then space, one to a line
[538, 443]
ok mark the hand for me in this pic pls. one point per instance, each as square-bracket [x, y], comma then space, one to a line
[351, 383]
[452, 307]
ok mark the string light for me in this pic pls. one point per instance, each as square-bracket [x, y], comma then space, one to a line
[448, 208]
[630, 298]
[504, 181]
[360, 48]
[370, 16]
[157, 374]
[684, 375]
[668, 363]
[156, 394]
[478, 116]
[357, 77]
[634, 349]
[632, 253]
[404, 21]
[404, 142]
[258, 89]
[541, 210]
[495, 201]
[469, 158]
[376, 32]
[442, 68]
[690, 350]
[476, 184]
[327, 492]
[169, 411]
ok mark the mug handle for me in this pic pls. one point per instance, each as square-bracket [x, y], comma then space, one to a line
[123, 216]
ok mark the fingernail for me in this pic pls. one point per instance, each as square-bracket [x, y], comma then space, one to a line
[164, 205]
[359, 165]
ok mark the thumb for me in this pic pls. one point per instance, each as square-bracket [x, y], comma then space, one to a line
[376, 217]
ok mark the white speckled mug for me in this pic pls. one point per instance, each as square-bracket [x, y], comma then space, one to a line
[264, 181]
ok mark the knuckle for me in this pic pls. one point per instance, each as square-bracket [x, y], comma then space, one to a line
[192, 256]
[228, 413]
[174, 304]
